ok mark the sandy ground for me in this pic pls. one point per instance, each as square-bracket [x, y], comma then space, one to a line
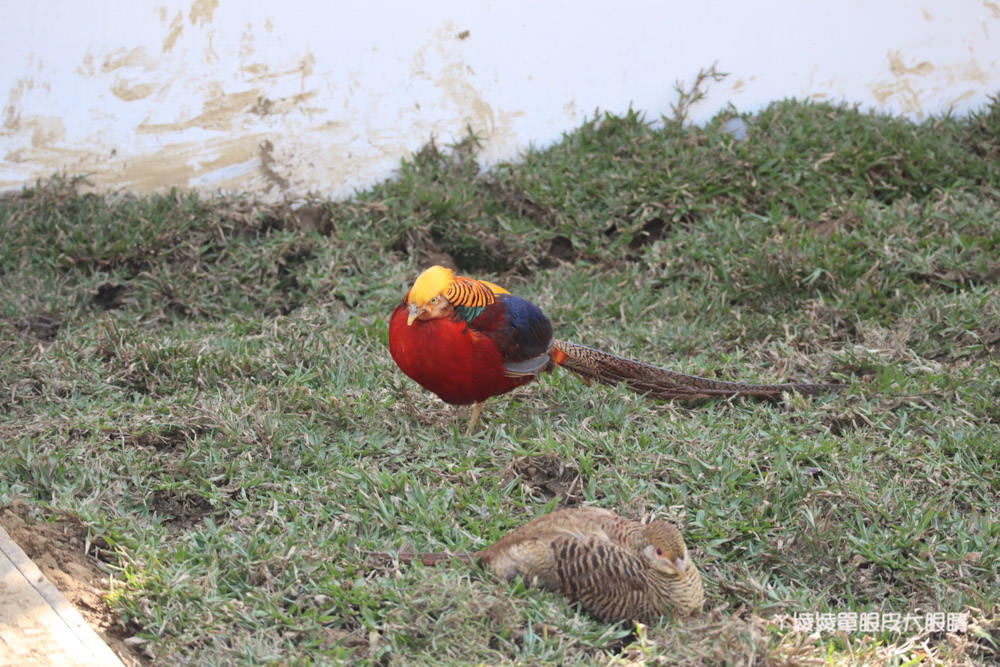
[59, 548]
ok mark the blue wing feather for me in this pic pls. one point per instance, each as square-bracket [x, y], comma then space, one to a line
[531, 329]
[520, 330]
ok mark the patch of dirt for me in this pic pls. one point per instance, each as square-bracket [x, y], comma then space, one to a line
[180, 509]
[41, 326]
[560, 250]
[110, 296]
[956, 280]
[169, 438]
[547, 476]
[837, 222]
[844, 422]
[653, 230]
[61, 551]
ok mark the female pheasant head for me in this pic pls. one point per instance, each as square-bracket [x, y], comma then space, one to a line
[668, 556]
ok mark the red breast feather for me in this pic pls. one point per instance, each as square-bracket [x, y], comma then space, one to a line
[448, 357]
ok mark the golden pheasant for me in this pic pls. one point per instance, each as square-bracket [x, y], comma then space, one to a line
[615, 568]
[467, 340]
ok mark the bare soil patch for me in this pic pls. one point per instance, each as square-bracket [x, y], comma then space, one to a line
[61, 550]
[547, 476]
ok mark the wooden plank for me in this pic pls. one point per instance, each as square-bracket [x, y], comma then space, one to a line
[38, 625]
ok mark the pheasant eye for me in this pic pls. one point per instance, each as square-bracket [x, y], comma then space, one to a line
[659, 551]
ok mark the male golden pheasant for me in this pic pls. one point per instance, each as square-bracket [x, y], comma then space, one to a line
[467, 340]
[615, 568]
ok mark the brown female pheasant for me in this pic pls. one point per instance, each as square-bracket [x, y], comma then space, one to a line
[615, 568]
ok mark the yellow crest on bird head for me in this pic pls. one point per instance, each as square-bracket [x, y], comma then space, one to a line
[431, 283]
[459, 290]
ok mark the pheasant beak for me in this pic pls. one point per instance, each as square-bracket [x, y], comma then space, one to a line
[414, 314]
[680, 564]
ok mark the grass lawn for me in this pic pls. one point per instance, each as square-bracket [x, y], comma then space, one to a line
[205, 385]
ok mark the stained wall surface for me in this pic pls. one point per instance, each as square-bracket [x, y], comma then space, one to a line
[291, 98]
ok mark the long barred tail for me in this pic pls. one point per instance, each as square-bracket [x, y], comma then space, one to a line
[643, 378]
[429, 559]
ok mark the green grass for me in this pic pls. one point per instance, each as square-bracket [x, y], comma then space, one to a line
[207, 384]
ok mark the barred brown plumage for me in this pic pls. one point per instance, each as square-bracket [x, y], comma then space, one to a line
[614, 568]
[659, 382]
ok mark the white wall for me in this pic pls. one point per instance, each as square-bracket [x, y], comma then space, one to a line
[283, 99]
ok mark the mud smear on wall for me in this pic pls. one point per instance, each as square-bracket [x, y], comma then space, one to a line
[221, 163]
[205, 96]
[277, 128]
[218, 113]
[176, 28]
[224, 134]
[202, 11]
[123, 90]
[914, 85]
[12, 110]
[454, 78]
